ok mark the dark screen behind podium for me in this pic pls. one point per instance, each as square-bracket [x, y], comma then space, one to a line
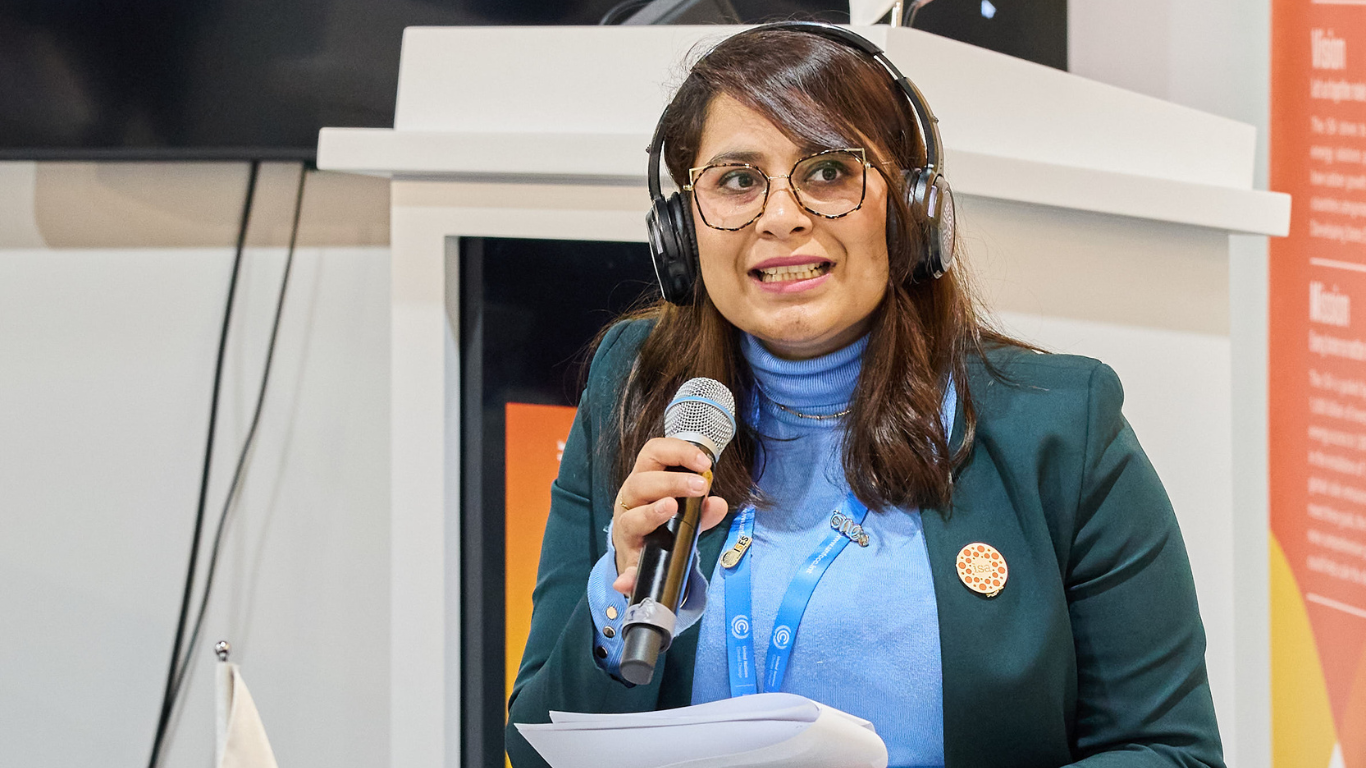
[528, 313]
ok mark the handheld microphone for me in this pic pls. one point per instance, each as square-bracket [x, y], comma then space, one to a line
[703, 414]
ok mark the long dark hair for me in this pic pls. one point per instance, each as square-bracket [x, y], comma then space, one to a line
[822, 94]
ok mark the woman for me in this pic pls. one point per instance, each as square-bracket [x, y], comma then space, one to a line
[863, 381]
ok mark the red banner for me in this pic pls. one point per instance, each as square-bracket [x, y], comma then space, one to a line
[1318, 384]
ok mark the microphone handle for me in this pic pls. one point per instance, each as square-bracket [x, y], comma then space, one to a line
[661, 576]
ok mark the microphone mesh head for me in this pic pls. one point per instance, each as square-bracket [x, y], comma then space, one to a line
[702, 412]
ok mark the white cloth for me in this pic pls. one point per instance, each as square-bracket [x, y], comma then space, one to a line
[242, 741]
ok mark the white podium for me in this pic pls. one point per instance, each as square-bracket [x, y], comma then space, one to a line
[1096, 220]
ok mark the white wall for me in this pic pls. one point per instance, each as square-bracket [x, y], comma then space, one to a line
[108, 356]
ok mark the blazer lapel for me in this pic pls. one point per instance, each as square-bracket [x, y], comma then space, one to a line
[997, 653]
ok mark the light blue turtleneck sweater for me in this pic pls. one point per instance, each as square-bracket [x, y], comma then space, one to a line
[868, 643]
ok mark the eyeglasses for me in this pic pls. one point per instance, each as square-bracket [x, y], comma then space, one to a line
[731, 196]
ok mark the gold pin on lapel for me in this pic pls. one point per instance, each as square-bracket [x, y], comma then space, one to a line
[982, 569]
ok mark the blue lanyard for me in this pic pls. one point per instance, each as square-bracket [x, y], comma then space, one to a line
[739, 619]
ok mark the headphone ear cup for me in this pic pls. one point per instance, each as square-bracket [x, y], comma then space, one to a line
[672, 248]
[899, 231]
[681, 207]
[663, 246]
[680, 216]
[940, 226]
[931, 203]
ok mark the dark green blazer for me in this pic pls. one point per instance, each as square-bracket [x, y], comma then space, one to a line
[1093, 652]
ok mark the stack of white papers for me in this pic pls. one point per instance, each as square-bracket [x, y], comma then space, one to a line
[775, 730]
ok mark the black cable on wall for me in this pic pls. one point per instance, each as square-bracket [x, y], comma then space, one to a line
[168, 697]
[182, 653]
[236, 483]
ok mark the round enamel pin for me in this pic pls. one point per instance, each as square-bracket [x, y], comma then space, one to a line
[982, 569]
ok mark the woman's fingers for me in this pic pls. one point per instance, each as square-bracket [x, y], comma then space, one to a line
[630, 528]
[664, 452]
[634, 523]
[648, 497]
[626, 581]
[645, 487]
[713, 511]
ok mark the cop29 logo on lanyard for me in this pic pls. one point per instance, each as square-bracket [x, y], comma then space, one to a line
[739, 636]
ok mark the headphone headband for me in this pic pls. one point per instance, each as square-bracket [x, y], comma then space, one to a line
[928, 123]
[655, 149]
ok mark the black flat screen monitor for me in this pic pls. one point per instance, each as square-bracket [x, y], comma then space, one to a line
[257, 79]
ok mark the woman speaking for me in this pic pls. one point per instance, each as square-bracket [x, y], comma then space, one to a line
[1014, 592]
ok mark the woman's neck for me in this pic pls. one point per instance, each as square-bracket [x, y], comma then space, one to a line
[806, 350]
[822, 382]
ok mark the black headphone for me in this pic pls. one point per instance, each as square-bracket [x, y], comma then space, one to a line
[669, 224]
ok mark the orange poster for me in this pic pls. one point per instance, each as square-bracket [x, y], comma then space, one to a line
[535, 440]
[1318, 385]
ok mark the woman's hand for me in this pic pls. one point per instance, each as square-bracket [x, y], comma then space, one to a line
[647, 500]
